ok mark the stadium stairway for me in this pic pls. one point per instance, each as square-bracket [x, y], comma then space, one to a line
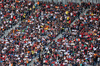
[60, 35]
[7, 31]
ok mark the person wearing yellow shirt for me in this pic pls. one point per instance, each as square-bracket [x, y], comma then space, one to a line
[92, 14]
[67, 12]
[33, 6]
[24, 15]
[32, 52]
[68, 18]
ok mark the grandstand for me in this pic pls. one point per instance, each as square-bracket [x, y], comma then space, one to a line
[49, 32]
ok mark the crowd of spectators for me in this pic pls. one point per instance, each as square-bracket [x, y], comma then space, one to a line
[80, 43]
[11, 12]
[40, 23]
